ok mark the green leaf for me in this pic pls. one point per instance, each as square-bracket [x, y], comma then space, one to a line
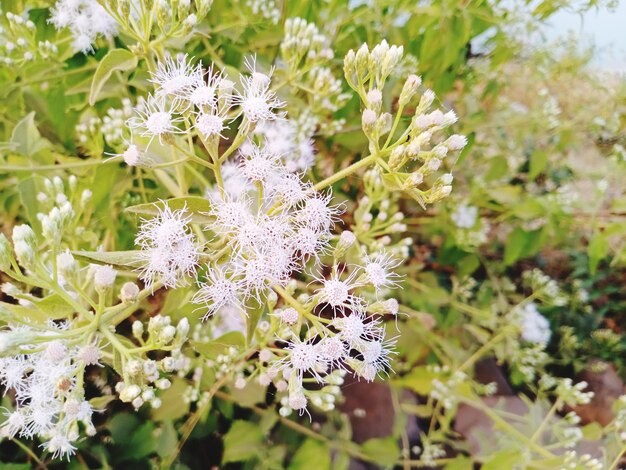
[196, 206]
[384, 451]
[460, 463]
[172, 407]
[419, 380]
[140, 444]
[311, 451]
[538, 163]
[26, 138]
[254, 314]
[243, 441]
[598, 248]
[166, 439]
[116, 258]
[116, 59]
[216, 347]
[504, 459]
[515, 246]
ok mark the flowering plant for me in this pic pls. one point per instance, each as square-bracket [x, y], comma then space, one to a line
[215, 232]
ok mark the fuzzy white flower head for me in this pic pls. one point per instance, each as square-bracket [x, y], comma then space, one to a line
[304, 357]
[465, 216]
[210, 124]
[220, 290]
[154, 118]
[168, 249]
[379, 271]
[177, 77]
[258, 102]
[535, 327]
[104, 277]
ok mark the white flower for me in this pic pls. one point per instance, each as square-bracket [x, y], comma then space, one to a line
[220, 290]
[304, 357]
[168, 249]
[86, 20]
[176, 78]
[535, 327]
[210, 124]
[465, 216]
[379, 271]
[259, 165]
[356, 329]
[336, 291]
[104, 277]
[154, 118]
[258, 102]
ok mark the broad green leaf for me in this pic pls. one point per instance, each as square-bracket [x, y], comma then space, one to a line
[243, 441]
[26, 138]
[166, 439]
[384, 450]
[252, 394]
[196, 206]
[311, 451]
[116, 258]
[172, 407]
[116, 59]
[140, 444]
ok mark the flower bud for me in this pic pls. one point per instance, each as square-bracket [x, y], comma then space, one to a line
[369, 121]
[426, 100]
[137, 329]
[346, 240]
[182, 330]
[383, 124]
[397, 158]
[129, 293]
[414, 180]
[66, 264]
[166, 336]
[374, 99]
[409, 89]
[104, 277]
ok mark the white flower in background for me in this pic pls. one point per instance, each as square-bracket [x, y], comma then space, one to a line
[86, 20]
[534, 326]
[169, 251]
[465, 216]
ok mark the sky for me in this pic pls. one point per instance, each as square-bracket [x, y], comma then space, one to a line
[605, 29]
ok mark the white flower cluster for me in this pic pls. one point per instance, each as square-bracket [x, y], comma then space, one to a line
[86, 21]
[465, 216]
[110, 127]
[268, 237]
[47, 382]
[183, 88]
[534, 326]
[169, 251]
[284, 138]
[19, 44]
